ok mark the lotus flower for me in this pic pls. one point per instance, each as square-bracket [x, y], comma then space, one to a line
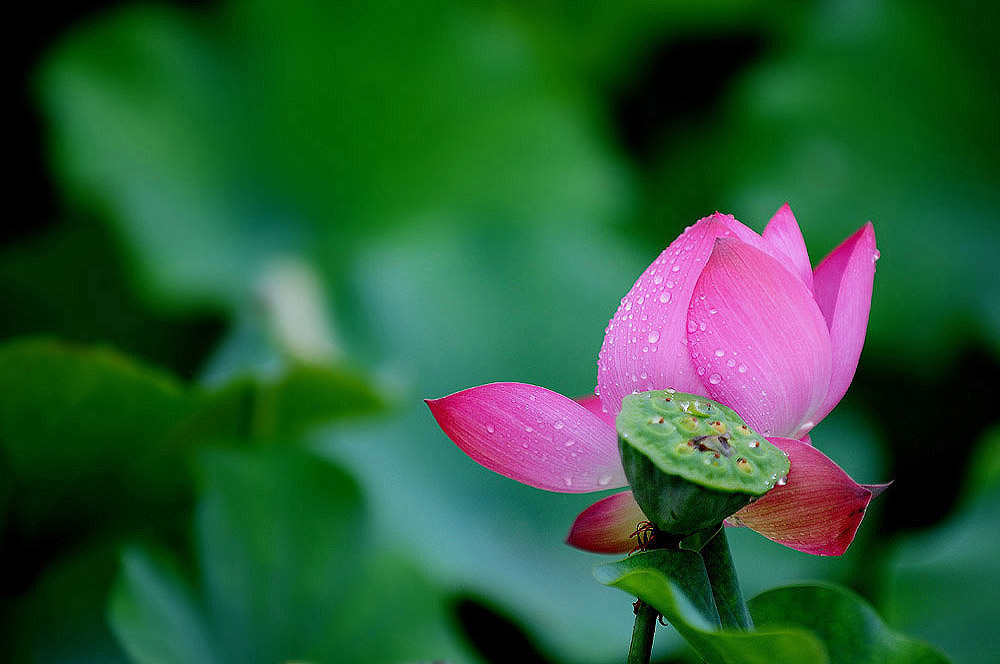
[723, 312]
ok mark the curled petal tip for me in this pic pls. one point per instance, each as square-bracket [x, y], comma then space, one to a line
[877, 489]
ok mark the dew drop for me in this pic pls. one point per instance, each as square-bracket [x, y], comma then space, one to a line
[569, 443]
[664, 296]
[876, 255]
[692, 326]
[557, 425]
[670, 284]
[720, 353]
[658, 279]
[702, 327]
[676, 268]
[628, 306]
[701, 371]
[783, 481]
[730, 362]
[742, 368]
[489, 428]
[604, 480]
[654, 336]
[528, 429]
[715, 379]
[568, 480]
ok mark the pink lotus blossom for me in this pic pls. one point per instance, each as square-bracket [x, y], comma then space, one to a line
[723, 312]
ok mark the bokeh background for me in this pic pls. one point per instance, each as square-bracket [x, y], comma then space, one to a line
[247, 238]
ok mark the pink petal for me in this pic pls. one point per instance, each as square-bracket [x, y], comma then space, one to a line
[758, 340]
[607, 525]
[844, 294]
[644, 343]
[818, 511]
[532, 435]
[592, 402]
[783, 233]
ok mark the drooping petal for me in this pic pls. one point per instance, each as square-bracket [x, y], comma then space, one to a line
[758, 340]
[644, 343]
[783, 233]
[818, 511]
[592, 402]
[532, 435]
[843, 290]
[607, 526]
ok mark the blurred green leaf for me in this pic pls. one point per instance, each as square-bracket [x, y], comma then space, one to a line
[940, 584]
[86, 436]
[153, 614]
[61, 618]
[844, 623]
[284, 574]
[90, 438]
[217, 146]
[668, 580]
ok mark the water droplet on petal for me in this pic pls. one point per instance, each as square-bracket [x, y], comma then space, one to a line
[664, 296]
[701, 371]
[720, 353]
[604, 480]
[489, 428]
[676, 268]
[568, 480]
[557, 424]
[692, 326]
[528, 429]
[658, 279]
[702, 327]
[715, 379]
[742, 368]
[730, 362]
[783, 481]
[654, 336]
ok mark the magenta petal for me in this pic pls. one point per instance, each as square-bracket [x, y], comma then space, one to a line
[644, 344]
[607, 526]
[592, 402]
[843, 284]
[818, 511]
[783, 233]
[532, 435]
[758, 340]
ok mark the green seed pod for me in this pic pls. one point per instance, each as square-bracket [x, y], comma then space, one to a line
[692, 462]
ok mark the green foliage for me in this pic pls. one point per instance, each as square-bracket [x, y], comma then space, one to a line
[805, 624]
[676, 585]
[849, 628]
[956, 560]
[285, 573]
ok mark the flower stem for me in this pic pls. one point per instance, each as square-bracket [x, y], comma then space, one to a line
[733, 610]
[642, 633]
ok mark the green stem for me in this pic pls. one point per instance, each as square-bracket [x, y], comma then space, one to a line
[642, 633]
[725, 584]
